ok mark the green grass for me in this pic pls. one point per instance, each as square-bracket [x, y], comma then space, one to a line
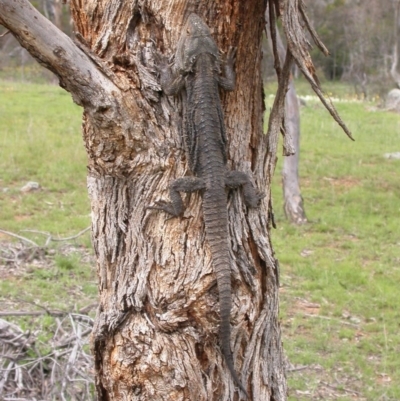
[339, 273]
[30, 72]
[351, 267]
[41, 141]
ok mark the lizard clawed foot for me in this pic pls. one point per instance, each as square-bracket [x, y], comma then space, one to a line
[260, 196]
[231, 55]
[254, 200]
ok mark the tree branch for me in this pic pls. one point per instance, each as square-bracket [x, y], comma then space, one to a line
[19, 237]
[4, 34]
[57, 52]
[298, 46]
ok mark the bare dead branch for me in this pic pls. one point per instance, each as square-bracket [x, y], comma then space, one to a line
[330, 318]
[51, 238]
[311, 29]
[6, 259]
[57, 52]
[4, 33]
[298, 46]
[275, 122]
[26, 374]
[297, 368]
[88, 308]
[71, 237]
[340, 388]
[20, 237]
[71, 339]
[275, 50]
[77, 316]
[293, 203]
[33, 313]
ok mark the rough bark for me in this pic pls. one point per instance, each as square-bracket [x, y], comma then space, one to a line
[156, 330]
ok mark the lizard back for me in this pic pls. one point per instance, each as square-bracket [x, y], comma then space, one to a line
[197, 69]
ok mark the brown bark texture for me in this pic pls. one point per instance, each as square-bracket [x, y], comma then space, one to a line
[156, 330]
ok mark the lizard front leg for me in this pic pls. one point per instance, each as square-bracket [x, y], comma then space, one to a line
[184, 184]
[235, 179]
[227, 82]
[171, 83]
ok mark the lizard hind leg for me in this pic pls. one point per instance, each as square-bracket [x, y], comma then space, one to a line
[185, 184]
[235, 179]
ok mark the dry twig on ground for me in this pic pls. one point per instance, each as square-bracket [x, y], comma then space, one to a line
[63, 372]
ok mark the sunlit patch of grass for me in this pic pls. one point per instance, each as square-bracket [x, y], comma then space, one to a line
[41, 141]
[63, 285]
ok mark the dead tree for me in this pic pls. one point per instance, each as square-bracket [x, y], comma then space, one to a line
[292, 199]
[156, 330]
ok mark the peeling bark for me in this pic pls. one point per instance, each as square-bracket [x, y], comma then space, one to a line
[156, 331]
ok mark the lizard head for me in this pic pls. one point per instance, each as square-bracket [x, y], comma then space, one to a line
[195, 26]
[195, 39]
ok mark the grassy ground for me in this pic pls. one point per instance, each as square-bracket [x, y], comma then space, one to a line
[339, 296]
[340, 272]
[40, 141]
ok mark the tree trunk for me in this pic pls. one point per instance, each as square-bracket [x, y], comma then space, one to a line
[156, 331]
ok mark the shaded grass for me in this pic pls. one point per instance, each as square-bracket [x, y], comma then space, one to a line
[346, 259]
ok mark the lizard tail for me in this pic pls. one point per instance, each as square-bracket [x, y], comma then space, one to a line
[216, 225]
[225, 335]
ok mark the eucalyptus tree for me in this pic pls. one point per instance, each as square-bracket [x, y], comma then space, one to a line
[156, 330]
